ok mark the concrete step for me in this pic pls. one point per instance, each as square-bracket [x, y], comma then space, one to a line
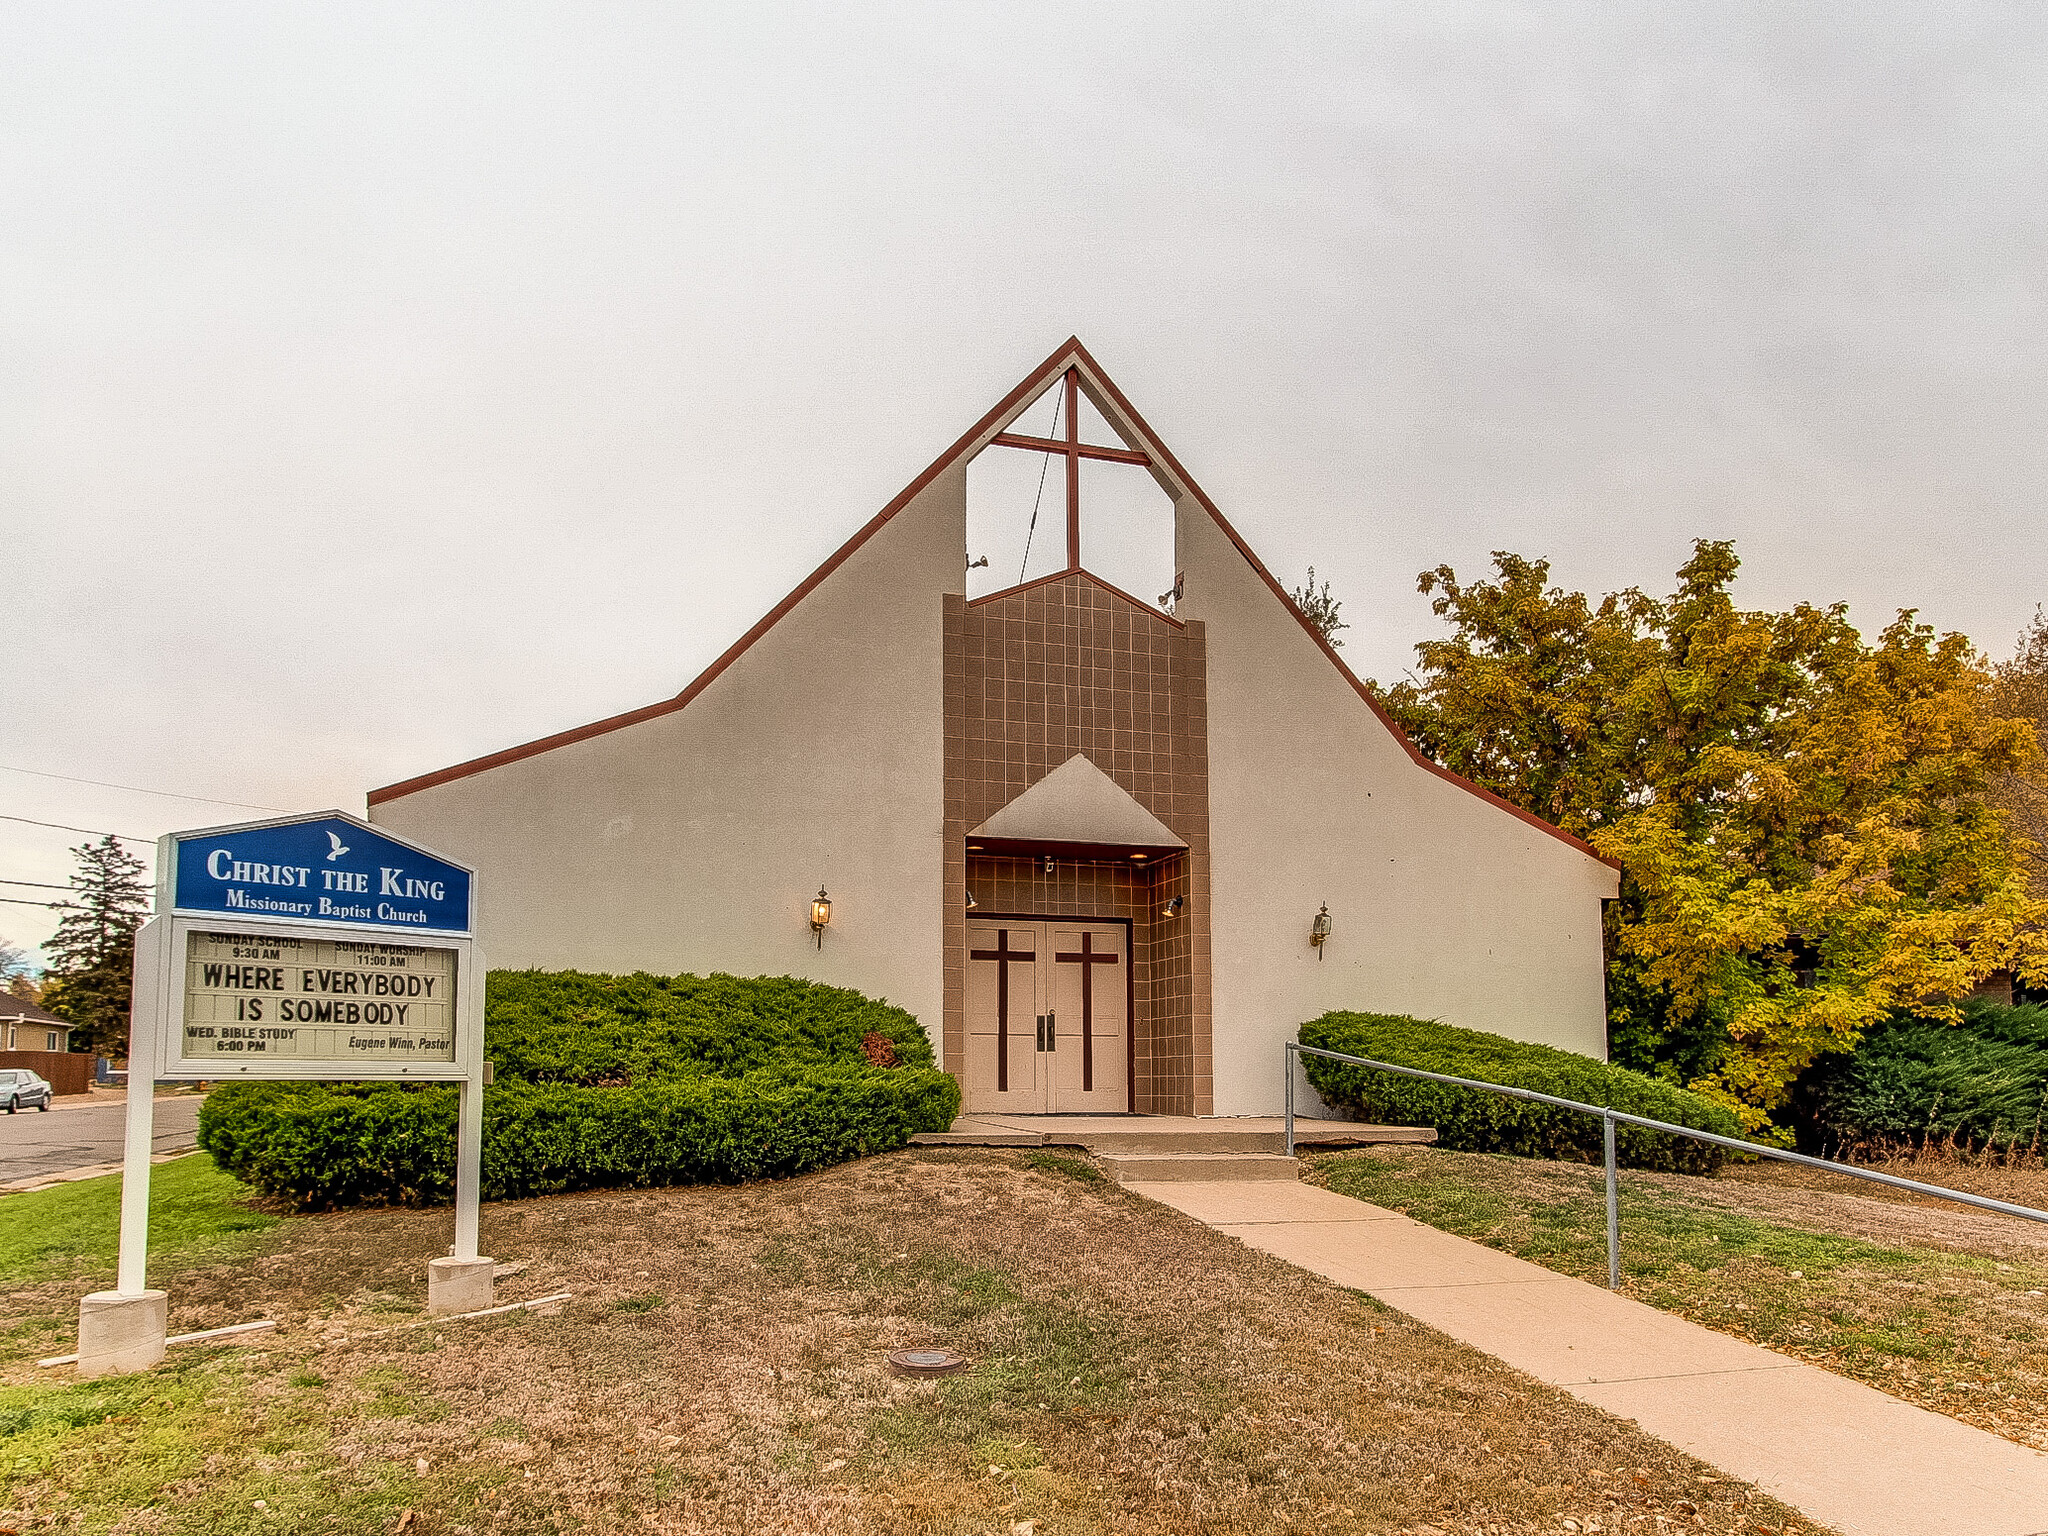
[1197, 1167]
[977, 1139]
[1221, 1140]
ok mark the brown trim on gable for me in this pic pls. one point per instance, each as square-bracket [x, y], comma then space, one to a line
[1074, 570]
[1018, 397]
[1062, 359]
[1421, 758]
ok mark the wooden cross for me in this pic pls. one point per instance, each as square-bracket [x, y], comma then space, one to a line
[1074, 450]
[1004, 957]
[1087, 959]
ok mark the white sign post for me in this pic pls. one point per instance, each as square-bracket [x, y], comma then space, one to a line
[314, 947]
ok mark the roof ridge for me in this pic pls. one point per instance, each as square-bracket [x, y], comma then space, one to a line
[1068, 353]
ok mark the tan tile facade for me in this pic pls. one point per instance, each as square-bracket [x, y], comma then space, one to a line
[1033, 676]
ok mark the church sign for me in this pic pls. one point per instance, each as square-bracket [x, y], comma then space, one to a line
[317, 947]
[327, 869]
[311, 947]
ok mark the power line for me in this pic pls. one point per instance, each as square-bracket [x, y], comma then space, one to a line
[1059, 402]
[23, 901]
[137, 789]
[41, 885]
[126, 837]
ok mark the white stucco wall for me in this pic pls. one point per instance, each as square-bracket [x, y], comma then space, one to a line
[694, 841]
[1444, 905]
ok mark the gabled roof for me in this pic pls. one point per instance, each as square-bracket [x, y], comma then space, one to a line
[1078, 803]
[19, 1010]
[1120, 414]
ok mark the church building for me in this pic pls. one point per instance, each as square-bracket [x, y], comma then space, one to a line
[1110, 846]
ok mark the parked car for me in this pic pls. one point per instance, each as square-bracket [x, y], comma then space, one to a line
[20, 1088]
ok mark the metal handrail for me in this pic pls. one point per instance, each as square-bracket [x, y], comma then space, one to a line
[1614, 1117]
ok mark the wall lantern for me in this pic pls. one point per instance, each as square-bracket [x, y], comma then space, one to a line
[1173, 907]
[1319, 930]
[821, 914]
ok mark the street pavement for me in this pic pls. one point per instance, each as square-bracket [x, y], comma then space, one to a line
[33, 1144]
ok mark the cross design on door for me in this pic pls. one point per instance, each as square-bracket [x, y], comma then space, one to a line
[1087, 959]
[1004, 957]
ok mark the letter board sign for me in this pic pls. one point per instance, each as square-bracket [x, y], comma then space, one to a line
[311, 947]
[306, 948]
[279, 998]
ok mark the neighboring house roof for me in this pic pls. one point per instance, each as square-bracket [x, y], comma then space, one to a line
[1070, 354]
[19, 1010]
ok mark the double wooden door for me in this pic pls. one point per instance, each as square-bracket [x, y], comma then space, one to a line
[1048, 1016]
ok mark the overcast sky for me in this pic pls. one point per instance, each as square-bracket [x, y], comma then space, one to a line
[381, 385]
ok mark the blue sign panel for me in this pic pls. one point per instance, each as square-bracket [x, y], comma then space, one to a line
[323, 870]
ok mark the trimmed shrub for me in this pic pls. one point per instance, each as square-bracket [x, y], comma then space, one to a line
[319, 1146]
[606, 1081]
[1981, 1082]
[579, 1027]
[1467, 1120]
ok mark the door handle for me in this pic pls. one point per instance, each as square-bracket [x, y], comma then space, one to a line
[1041, 1032]
[1052, 1039]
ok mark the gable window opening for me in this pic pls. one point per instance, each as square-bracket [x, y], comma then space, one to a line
[1061, 490]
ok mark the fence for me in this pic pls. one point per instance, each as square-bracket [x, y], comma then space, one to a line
[1614, 1117]
[67, 1071]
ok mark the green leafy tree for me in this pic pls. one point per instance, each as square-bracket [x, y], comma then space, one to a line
[1806, 822]
[2022, 691]
[90, 979]
[1320, 608]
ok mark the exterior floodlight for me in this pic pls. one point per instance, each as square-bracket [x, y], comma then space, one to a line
[821, 914]
[1173, 907]
[971, 901]
[1319, 930]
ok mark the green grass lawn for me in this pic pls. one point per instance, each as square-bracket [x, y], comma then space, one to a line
[1962, 1333]
[195, 1212]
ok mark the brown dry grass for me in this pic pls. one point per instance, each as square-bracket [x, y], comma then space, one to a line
[2020, 1182]
[1938, 1304]
[719, 1370]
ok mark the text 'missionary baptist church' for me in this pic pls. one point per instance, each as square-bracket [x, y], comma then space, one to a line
[1083, 836]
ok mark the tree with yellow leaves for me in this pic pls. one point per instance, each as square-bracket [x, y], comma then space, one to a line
[1805, 821]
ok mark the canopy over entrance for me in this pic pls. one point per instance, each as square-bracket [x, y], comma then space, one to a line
[1076, 811]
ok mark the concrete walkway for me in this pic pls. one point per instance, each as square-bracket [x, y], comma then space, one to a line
[1847, 1455]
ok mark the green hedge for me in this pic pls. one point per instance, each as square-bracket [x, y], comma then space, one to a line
[1467, 1120]
[579, 1027]
[319, 1146]
[606, 1081]
[1981, 1081]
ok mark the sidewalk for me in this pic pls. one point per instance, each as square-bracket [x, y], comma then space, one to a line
[1847, 1455]
[114, 1098]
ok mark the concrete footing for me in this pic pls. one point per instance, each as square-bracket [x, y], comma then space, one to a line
[459, 1285]
[120, 1332]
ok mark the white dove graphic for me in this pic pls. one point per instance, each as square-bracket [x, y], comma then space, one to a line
[339, 848]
